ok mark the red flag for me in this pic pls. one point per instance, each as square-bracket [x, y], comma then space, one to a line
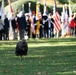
[57, 25]
[11, 10]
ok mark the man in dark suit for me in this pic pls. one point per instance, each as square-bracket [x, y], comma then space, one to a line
[6, 28]
[45, 24]
[22, 24]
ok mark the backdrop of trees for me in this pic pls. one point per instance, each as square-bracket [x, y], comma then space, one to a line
[17, 4]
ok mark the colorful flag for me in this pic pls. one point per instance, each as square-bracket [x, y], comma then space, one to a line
[57, 25]
[38, 17]
[65, 21]
[10, 10]
[10, 17]
[2, 11]
[38, 12]
[31, 19]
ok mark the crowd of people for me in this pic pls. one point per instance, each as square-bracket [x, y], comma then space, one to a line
[24, 24]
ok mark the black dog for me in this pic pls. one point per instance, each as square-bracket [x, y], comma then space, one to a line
[21, 48]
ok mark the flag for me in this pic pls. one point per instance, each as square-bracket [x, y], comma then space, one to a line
[10, 16]
[70, 12]
[31, 19]
[38, 17]
[38, 12]
[30, 12]
[10, 10]
[65, 21]
[57, 25]
[2, 11]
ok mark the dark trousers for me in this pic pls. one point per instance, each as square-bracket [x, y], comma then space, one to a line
[45, 33]
[6, 34]
[75, 30]
[21, 33]
[41, 32]
[0, 34]
[71, 31]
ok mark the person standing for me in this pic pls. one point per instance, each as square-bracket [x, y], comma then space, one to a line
[45, 24]
[22, 24]
[71, 25]
[1, 28]
[75, 24]
[13, 22]
[50, 26]
[6, 28]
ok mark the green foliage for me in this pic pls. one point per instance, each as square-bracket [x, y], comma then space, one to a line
[45, 57]
[74, 1]
[63, 1]
[17, 5]
[66, 1]
[73, 8]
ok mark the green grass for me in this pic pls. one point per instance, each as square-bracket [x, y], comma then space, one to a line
[45, 57]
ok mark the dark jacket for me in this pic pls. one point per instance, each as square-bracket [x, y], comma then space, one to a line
[13, 22]
[22, 22]
[6, 22]
[45, 17]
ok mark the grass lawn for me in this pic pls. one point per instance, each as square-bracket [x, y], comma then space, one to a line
[45, 57]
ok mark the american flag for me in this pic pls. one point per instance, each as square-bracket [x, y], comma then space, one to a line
[57, 25]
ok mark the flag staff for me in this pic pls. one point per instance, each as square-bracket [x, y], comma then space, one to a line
[30, 18]
[37, 18]
[54, 7]
[10, 16]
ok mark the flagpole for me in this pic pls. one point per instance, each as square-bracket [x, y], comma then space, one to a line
[54, 6]
[10, 15]
[44, 6]
[30, 17]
